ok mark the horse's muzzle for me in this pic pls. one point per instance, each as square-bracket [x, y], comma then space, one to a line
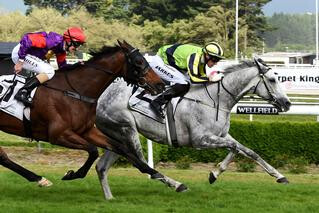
[154, 89]
[283, 104]
[157, 89]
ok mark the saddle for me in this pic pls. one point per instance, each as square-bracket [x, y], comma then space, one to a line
[140, 102]
[9, 86]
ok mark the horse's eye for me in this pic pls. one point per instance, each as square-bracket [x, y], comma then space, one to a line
[272, 80]
[139, 62]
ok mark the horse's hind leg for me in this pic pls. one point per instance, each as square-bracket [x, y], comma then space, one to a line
[30, 176]
[71, 140]
[84, 169]
[102, 167]
[101, 140]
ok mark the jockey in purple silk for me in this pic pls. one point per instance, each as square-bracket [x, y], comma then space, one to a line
[34, 51]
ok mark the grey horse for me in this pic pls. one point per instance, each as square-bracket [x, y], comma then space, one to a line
[195, 116]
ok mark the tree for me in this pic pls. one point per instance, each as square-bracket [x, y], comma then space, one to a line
[253, 22]
[302, 26]
[215, 25]
[64, 6]
[98, 31]
[166, 11]
[12, 26]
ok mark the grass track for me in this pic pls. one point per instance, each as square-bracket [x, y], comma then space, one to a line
[134, 192]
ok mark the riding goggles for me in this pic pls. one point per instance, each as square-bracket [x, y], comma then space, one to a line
[76, 44]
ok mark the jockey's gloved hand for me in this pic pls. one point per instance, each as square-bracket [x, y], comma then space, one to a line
[215, 76]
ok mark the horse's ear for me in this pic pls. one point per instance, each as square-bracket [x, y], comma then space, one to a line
[127, 44]
[262, 67]
[120, 43]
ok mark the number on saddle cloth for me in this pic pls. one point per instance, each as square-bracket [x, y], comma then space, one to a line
[10, 85]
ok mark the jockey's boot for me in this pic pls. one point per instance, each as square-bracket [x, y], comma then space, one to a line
[157, 104]
[173, 91]
[23, 94]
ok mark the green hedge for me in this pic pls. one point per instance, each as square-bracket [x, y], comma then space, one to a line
[270, 140]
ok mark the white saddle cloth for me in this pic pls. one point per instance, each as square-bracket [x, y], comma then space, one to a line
[9, 86]
[141, 103]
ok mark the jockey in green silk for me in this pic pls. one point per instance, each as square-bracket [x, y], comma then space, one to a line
[182, 64]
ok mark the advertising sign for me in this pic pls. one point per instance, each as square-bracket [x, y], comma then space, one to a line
[249, 109]
[298, 80]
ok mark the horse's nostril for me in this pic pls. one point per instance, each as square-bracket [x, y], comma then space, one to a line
[288, 103]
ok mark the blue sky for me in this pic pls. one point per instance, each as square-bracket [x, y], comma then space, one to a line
[290, 6]
[285, 6]
[12, 5]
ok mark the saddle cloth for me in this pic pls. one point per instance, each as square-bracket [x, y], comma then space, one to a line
[9, 86]
[140, 102]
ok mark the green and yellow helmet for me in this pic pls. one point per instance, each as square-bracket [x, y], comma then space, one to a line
[214, 49]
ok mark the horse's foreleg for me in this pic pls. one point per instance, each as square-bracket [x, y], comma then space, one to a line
[254, 156]
[236, 147]
[222, 166]
[102, 167]
[30, 176]
[97, 138]
[71, 140]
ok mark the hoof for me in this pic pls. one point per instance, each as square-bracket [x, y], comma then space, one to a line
[109, 198]
[69, 175]
[212, 178]
[44, 182]
[181, 188]
[283, 180]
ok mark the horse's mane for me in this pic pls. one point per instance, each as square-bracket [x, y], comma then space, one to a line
[70, 67]
[105, 50]
[243, 65]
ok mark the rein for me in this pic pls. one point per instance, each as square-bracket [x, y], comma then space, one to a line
[261, 78]
[204, 103]
[234, 97]
[139, 71]
[76, 94]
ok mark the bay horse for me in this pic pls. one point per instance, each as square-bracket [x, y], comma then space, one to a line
[63, 110]
[202, 118]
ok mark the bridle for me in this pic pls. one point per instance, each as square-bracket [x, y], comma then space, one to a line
[139, 72]
[134, 57]
[262, 69]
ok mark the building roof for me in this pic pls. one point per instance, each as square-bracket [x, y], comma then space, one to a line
[7, 47]
[285, 54]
